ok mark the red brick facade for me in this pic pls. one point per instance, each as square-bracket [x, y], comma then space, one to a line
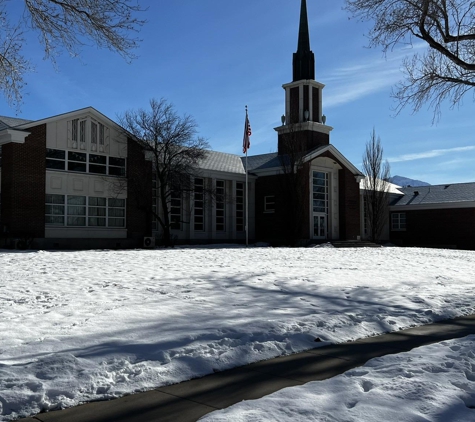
[450, 228]
[139, 193]
[23, 186]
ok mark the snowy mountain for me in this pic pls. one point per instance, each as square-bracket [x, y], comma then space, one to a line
[405, 181]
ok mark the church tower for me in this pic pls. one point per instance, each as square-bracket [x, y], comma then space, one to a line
[303, 124]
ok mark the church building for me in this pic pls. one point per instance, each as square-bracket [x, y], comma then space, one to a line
[58, 177]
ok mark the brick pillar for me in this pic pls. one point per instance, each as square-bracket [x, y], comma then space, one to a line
[23, 185]
[139, 193]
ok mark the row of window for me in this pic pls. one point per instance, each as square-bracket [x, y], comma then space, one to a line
[84, 211]
[199, 206]
[56, 159]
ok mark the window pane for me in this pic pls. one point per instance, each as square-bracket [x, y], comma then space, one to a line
[76, 200]
[97, 159]
[55, 164]
[76, 156]
[58, 220]
[55, 153]
[116, 212]
[97, 212]
[94, 201]
[54, 199]
[72, 166]
[97, 169]
[54, 209]
[97, 222]
[118, 162]
[76, 221]
[114, 202]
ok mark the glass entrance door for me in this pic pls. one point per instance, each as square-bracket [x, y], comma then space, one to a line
[319, 226]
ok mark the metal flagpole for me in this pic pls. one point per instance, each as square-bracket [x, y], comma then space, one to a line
[247, 186]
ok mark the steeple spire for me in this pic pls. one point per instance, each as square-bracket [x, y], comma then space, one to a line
[304, 59]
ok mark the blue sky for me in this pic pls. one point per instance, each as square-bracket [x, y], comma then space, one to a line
[210, 58]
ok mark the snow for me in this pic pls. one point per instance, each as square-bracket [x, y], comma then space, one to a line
[91, 325]
[428, 384]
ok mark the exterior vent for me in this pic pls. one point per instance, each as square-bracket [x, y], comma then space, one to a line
[148, 242]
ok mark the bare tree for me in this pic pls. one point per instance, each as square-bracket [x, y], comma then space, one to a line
[375, 187]
[170, 142]
[63, 25]
[446, 71]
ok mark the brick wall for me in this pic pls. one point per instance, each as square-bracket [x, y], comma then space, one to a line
[139, 193]
[306, 139]
[441, 228]
[23, 185]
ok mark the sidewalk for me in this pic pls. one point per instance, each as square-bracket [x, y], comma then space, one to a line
[190, 400]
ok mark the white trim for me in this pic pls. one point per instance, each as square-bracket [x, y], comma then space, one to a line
[310, 82]
[440, 206]
[338, 155]
[311, 126]
[12, 135]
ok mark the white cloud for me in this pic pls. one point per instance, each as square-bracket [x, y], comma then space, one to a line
[429, 154]
[359, 79]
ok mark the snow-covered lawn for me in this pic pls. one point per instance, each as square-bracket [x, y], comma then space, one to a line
[79, 326]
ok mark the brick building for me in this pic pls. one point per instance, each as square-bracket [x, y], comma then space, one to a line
[63, 181]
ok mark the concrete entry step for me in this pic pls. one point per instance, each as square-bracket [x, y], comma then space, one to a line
[354, 244]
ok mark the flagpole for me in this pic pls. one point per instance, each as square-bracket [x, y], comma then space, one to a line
[247, 197]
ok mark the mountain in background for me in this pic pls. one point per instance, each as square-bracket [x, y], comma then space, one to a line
[405, 181]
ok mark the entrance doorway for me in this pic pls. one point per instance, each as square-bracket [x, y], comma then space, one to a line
[320, 205]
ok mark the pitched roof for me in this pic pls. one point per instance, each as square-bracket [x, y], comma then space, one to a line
[262, 161]
[438, 194]
[221, 161]
[10, 122]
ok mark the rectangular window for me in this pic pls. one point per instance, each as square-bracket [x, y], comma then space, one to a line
[175, 210]
[116, 166]
[82, 134]
[220, 205]
[116, 212]
[199, 205]
[239, 206]
[269, 203]
[94, 134]
[74, 131]
[398, 221]
[102, 134]
[97, 164]
[77, 161]
[320, 192]
[55, 159]
[76, 211]
[154, 204]
[54, 210]
[97, 212]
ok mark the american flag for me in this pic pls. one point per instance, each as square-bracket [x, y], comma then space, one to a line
[246, 143]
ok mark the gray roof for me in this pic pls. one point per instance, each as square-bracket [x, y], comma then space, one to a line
[263, 161]
[10, 122]
[221, 161]
[438, 194]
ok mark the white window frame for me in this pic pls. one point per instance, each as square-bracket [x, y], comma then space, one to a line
[220, 223]
[240, 223]
[199, 205]
[269, 204]
[398, 221]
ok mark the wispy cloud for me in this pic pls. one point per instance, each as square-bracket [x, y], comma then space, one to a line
[359, 79]
[429, 154]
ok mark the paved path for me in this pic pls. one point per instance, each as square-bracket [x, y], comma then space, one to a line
[190, 400]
